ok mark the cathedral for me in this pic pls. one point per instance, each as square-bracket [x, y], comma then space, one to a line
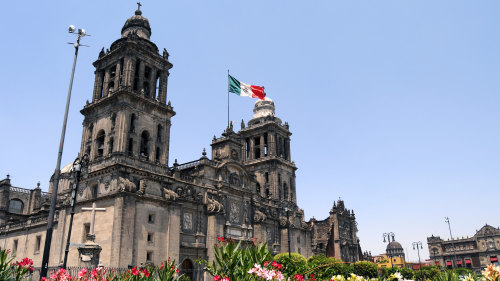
[150, 209]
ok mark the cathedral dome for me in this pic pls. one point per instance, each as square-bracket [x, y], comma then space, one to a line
[394, 245]
[263, 108]
[137, 24]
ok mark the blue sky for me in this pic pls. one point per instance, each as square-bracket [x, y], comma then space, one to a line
[393, 105]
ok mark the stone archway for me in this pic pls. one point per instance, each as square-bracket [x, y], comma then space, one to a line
[187, 268]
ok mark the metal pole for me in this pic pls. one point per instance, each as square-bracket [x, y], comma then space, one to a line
[78, 165]
[228, 84]
[446, 219]
[53, 202]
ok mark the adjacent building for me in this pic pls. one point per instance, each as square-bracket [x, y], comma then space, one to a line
[476, 252]
[337, 235]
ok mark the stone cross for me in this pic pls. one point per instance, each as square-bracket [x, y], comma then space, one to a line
[91, 235]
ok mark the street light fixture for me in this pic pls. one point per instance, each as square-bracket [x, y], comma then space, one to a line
[388, 235]
[79, 165]
[50, 221]
[416, 244]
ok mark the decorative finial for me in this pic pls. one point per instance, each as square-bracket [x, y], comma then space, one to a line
[8, 176]
[138, 12]
[38, 185]
[204, 153]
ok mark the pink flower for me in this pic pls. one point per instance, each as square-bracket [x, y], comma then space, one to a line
[82, 272]
[146, 272]
[226, 279]
[135, 271]
[217, 278]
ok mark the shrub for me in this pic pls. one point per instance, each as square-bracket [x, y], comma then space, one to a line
[297, 265]
[365, 269]
[324, 268]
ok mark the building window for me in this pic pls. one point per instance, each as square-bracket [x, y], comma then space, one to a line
[131, 146]
[101, 135]
[94, 190]
[86, 231]
[144, 144]
[150, 238]
[38, 242]
[14, 247]
[151, 218]
[16, 206]
[157, 154]
[149, 256]
[298, 239]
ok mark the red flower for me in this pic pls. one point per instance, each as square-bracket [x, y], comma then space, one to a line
[266, 263]
[298, 277]
[226, 279]
[217, 277]
[162, 265]
[134, 271]
[220, 239]
[146, 272]
[177, 271]
[312, 277]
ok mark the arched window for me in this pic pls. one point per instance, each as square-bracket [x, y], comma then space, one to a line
[144, 144]
[285, 191]
[16, 206]
[101, 136]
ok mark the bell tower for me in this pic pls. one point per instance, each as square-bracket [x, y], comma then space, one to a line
[129, 118]
[263, 147]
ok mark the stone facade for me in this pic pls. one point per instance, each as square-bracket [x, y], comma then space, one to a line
[474, 252]
[154, 210]
[336, 236]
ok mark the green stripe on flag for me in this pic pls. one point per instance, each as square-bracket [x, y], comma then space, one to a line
[234, 85]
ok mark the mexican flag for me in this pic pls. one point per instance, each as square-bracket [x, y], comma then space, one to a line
[245, 90]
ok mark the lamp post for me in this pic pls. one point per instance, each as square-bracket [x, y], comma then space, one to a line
[50, 221]
[416, 244]
[80, 163]
[447, 220]
[288, 230]
[388, 235]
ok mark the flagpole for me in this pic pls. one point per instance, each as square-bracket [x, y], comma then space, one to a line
[228, 98]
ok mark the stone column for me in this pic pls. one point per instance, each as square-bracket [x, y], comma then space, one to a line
[128, 74]
[166, 143]
[141, 76]
[106, 83]
[128, 251]
[117, 229]
[272, 144]
[117, 76]
[121, 129]
[152, 84]
[251, 154]
[173, 233]
[163, 87]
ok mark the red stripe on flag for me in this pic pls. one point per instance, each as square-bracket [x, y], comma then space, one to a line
[258, 92]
